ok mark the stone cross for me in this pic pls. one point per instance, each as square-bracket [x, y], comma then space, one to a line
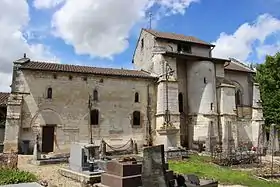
[153, 171]
[36, 150]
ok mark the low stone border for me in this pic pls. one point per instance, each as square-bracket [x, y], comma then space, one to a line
[48, 161]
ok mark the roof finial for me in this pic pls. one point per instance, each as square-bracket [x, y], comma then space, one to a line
[24, 55]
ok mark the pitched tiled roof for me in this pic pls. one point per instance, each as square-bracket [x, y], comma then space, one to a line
[235, 65]
[179, 37]
[4, 98]
[45, 66]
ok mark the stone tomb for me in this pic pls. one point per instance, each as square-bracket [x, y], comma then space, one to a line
[126, 174]
[176, 153]
[82, 164]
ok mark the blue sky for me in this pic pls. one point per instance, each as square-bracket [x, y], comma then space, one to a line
[104, 32]
[205, 19]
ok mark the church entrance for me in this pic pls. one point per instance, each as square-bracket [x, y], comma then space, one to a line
[48, 138]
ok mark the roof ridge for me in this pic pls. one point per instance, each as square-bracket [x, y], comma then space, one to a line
[170, 33]
[239, 62]
[177, 36]
[75, 65]
[58, 67]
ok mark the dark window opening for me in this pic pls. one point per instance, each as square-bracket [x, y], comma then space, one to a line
[101, 81]
[267, 136]
[94, 117]
[136, 97]
[238, 98]
[184, 48]
[211, 106]
[54, 76]
[181, 104]
[49, 93]
[70, 77]
[142, 43]
[95, 95]
[85, 78]
[136, 118]
[205, 80]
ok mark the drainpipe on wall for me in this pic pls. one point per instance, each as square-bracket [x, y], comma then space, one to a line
[149, 133]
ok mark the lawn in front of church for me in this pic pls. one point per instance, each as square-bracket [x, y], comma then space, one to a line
[204, 168]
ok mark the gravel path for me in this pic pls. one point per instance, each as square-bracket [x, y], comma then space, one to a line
[47, 172]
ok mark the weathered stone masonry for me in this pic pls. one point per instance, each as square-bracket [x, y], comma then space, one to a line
[210, 100]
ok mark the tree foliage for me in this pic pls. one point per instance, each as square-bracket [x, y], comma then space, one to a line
[268, 76]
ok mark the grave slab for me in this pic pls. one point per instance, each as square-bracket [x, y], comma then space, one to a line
[34, 184]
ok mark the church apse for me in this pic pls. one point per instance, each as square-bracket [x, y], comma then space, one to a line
[202, 106]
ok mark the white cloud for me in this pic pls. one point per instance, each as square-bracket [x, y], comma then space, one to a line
[102, 27]
[42, 4]
[14, 19]
[241, 43]
[264, 50]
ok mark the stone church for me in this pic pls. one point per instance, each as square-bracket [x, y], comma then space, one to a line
[177, 95]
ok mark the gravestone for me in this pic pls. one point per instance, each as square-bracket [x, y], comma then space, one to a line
[82, 164]
[153, 170]
[176, 153]
[273, 145]
[211, 139]
[80, 157]
[193, 179]
[228, 141]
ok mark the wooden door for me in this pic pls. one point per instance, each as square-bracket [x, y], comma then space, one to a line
[48, 139]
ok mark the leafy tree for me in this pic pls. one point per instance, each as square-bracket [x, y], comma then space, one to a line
[268, 76]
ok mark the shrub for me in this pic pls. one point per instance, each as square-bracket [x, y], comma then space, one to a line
[14, 176]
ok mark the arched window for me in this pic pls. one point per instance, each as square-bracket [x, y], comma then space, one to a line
[181, 104]
[136, 97]
[95, 95]
[238, 98]
[136, 118]
[94, 117]
[49, 93]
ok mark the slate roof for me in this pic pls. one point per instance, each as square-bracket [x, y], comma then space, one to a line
[4, 98]
[235, 65]
[46, 66]
[178, 37]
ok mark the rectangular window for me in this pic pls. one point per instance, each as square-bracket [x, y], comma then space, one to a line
[136, 118]
[184, 48]
[94, 117]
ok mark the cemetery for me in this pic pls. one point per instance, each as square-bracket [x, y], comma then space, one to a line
[104, 165]
[89, 165]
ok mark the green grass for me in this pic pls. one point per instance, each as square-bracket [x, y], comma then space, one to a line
[203, 167]
[12, 176]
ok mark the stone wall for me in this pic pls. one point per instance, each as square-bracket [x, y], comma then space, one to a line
[68, 108]
[143, 52]
[243, 82]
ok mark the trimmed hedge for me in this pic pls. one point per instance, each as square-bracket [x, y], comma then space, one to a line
[14, 176]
